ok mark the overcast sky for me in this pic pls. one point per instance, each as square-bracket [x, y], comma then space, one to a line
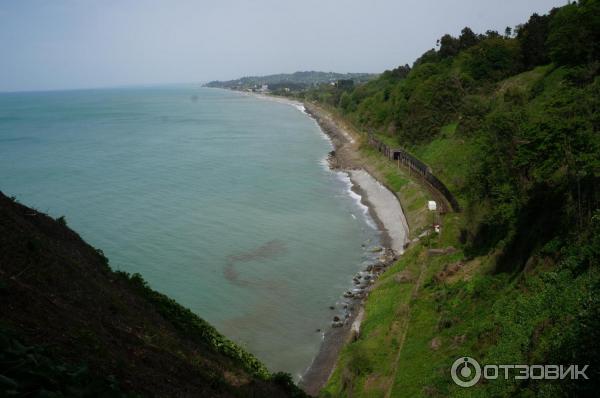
[61, 44]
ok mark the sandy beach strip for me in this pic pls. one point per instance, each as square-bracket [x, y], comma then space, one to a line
[386, 207]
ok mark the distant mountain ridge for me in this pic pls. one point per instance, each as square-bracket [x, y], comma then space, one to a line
[295, 80]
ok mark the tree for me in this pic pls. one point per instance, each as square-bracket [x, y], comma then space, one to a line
[574, 36]
[398, 73]
[401, 72]
[492, 34]
[532, 36]
[467, 38]
[428, 56]
[449, 46]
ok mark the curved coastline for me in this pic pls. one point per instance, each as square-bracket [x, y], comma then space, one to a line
[384, 209]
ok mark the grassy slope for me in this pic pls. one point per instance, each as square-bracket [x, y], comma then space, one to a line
[67, 320]
[448, 156]
[455, 306]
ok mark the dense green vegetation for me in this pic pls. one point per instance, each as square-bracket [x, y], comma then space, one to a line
[510, 122]
[526, 130]
[191, 324]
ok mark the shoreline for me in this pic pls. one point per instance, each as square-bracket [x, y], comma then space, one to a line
[386, 210]
[345, 160]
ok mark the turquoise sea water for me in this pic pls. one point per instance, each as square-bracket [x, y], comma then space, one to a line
[220, 200]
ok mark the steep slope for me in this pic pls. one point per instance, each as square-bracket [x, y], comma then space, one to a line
[510, 124]
[72, 326]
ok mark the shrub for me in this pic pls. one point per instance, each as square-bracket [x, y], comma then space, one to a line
[359, 362]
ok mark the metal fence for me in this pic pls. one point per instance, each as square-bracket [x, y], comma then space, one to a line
[414, 164]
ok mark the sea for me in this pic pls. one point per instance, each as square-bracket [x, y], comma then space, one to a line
[221, 200]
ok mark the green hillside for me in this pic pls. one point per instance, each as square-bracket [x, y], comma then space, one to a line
[294, 81]
[72, 327]
[510, 123]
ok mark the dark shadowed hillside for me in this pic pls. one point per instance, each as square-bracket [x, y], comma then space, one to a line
[70, 326]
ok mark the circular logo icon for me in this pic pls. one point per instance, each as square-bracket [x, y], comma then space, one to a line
[466, 372]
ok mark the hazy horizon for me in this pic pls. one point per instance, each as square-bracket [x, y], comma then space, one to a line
[74, 44]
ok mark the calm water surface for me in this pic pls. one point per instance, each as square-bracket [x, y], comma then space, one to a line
[219, 199]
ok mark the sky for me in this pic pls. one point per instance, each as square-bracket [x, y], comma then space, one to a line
[67, 44]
